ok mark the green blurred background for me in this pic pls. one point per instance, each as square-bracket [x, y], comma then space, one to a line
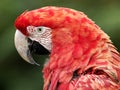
[16, 74]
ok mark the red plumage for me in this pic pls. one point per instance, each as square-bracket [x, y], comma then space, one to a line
[82, 56]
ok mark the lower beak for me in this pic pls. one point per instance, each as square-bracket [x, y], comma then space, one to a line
[21, 44]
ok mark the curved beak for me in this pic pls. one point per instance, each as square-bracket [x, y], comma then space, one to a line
[21, 44]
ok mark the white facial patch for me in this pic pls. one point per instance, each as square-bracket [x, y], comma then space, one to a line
[42, 35]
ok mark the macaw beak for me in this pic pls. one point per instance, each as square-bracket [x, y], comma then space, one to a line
[26, 47]
[22, 46]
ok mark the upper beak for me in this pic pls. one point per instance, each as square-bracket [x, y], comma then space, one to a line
[21, 44]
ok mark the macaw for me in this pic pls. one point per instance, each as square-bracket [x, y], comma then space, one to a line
[82, 56]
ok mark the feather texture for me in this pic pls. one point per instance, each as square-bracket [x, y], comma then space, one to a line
[82, 57]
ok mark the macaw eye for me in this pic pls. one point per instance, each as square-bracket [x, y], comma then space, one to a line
[41, 30]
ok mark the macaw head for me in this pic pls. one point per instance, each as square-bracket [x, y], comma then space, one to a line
[53, 30]
[76, 45]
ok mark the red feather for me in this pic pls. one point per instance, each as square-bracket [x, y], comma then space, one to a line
[82, 56]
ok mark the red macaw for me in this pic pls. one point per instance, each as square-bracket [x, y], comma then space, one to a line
[82, 57]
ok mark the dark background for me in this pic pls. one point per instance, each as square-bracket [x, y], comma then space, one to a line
[16, 74]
